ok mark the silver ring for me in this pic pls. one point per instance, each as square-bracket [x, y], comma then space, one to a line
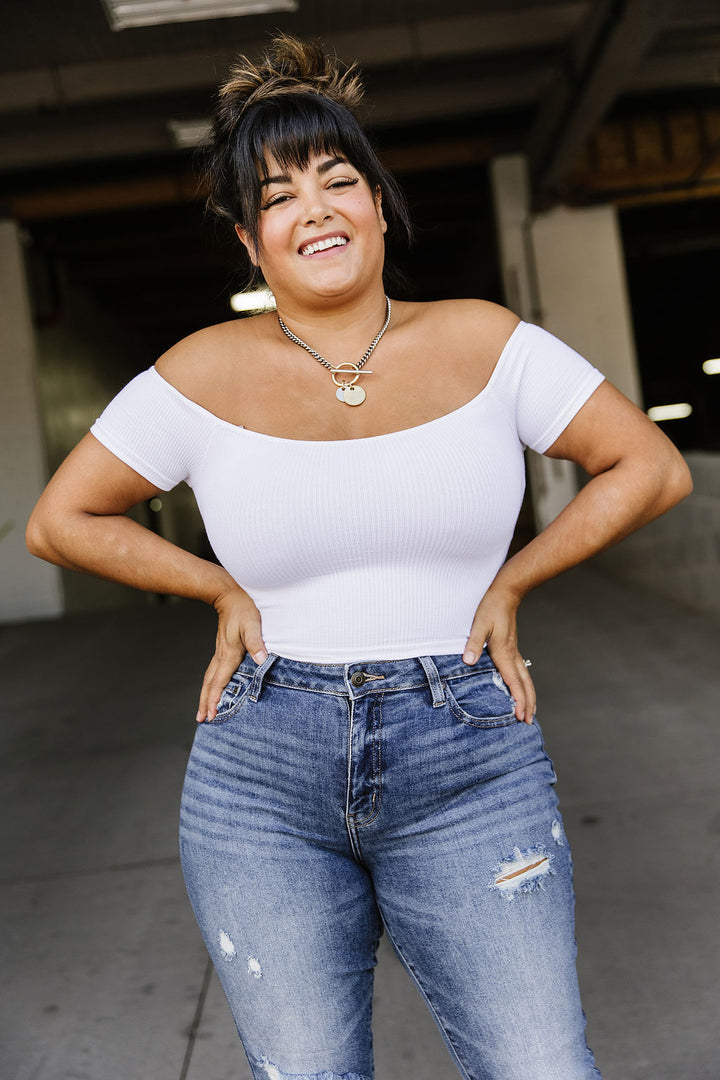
[527, 663]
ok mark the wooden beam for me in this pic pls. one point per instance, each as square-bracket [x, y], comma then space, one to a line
[650, 157]
[103, 196]
[164, 190]
[602, 61]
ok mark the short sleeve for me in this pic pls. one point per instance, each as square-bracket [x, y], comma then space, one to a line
[553, 383]
[155, 430]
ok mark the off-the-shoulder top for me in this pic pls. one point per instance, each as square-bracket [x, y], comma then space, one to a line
[361, 549]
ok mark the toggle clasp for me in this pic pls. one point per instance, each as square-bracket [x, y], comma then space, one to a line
[348, 369]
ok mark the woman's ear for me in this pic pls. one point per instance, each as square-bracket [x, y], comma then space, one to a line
[378, 208]
[247, 244]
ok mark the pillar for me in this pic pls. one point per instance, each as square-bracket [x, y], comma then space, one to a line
[30, 588]
[564, 270]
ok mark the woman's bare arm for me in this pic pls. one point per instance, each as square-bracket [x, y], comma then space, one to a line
[80, 523]
[637, 474]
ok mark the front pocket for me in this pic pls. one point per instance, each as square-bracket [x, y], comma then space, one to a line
[481, 699]
[232, 698]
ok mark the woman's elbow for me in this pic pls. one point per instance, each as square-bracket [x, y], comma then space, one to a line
[677, 482]
[34, 537]
[38, 536]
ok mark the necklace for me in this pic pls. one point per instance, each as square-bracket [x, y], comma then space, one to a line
[344, 375]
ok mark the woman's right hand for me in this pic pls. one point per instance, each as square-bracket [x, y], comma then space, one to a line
[239, 632]
[80, 522]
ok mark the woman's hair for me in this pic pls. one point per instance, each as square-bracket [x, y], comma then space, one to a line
[296, 102]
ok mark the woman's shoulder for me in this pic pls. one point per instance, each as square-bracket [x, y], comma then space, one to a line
[489, 325]
[205, 358]
[471, 334]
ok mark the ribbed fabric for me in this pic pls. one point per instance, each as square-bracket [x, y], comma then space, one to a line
[361, 549]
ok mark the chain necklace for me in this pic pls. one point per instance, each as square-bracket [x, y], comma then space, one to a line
[344, 375]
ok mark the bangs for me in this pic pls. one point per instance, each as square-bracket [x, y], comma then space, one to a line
[290, 131]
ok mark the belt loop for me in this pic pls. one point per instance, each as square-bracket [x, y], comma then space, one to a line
[434, 681]
[260, 673]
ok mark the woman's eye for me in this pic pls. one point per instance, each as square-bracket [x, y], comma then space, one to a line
[343, 183]
[275, 201]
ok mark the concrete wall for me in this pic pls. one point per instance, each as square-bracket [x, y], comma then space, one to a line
[564, 270]
[28, 588]
[583, 294]
[679, 554]
[84, 357]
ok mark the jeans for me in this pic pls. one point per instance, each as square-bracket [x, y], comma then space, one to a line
[329, 802]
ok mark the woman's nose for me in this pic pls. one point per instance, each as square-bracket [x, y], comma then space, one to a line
[316, 210]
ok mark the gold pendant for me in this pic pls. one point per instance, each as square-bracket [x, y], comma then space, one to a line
[348, 391]
[353, 395]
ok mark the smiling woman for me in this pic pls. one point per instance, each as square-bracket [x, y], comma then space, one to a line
[367, 753]
[300, 103]
[323, 216]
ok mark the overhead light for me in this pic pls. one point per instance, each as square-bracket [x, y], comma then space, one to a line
[670, 412]
[711, 367]
[123, 14]
[258, 300]
[190, 132]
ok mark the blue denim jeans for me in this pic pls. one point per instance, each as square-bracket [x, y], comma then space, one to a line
[328, 802]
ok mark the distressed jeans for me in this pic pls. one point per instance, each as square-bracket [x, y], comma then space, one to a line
[327, 803]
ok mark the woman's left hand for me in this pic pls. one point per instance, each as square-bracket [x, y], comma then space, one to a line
[495, 623]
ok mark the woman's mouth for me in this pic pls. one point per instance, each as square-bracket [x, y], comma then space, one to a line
[323, 243]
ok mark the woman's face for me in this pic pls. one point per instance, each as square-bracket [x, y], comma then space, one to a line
[320, 231]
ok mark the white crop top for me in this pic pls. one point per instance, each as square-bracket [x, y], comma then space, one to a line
[361, 549]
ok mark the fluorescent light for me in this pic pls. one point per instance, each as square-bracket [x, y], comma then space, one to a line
[259, 300]
[670, 412]
[711, 367]
[122, 14]
[190, 132]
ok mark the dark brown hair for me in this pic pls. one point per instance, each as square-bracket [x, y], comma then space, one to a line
[296, 102]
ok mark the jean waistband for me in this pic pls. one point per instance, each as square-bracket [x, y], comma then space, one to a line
[358, 679]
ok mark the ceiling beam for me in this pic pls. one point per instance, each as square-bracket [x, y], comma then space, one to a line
[69, 139]
[426, 40]
[604, 56]
[678, 70]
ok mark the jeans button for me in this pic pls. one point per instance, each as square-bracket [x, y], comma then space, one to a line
[359, 678]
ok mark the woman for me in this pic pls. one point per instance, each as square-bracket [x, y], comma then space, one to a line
[367, 753]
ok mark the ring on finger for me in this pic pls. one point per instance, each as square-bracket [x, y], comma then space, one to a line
[527, 663]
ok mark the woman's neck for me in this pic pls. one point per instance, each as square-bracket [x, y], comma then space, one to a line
[336, 326]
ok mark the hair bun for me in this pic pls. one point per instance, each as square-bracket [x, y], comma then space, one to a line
[291, 66]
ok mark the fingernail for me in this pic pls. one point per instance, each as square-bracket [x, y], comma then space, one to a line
[199, 718]
[469, 657]
[260, 656]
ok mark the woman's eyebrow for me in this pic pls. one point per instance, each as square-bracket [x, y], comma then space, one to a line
[325, 166]
[275, 180]
[322, 168]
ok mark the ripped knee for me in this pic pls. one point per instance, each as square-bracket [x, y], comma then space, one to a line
[522, 872]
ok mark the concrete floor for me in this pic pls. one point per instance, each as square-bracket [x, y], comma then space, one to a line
[103, 973]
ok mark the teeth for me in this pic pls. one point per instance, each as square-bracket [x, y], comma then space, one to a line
[323, 245]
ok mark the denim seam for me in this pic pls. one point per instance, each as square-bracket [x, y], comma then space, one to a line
[348, 779]
[344, 693]
[430, 1004]
[503, 720]
[232, 709]
[469, 673]
[376, 769]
